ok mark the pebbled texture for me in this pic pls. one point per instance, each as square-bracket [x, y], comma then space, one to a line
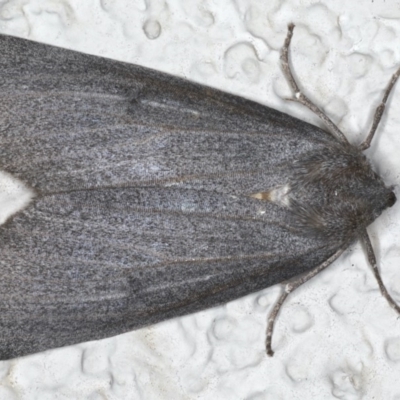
[343, 55]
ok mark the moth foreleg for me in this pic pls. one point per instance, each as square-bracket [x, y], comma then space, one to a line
[298, 95]
[379, 111]
[289, 287]
[372, 260]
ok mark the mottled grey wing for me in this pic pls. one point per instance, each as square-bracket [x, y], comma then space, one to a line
[91, 264]
[70, 120]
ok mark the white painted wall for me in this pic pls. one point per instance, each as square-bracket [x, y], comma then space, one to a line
[336, 337]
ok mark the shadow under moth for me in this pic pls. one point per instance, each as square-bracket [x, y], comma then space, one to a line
[156, 197]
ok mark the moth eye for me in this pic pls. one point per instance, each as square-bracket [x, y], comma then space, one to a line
[391, 199]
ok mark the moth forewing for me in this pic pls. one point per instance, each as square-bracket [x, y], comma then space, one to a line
[157, 197]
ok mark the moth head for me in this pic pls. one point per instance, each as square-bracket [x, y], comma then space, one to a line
[379, 195]
[391, 199]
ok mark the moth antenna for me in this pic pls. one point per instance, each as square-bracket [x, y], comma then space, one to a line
[379, 111]
[301, 98]
[372, 260]
[289, 288]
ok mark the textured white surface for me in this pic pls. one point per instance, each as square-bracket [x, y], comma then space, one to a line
[336, 338]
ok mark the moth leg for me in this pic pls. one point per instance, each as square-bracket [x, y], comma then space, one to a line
[372, 260]
[379, 111]
[298, 95]
[289, 288]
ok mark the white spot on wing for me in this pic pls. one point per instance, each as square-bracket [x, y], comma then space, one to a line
[14, 196]
[169, 106]
[280, 196]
